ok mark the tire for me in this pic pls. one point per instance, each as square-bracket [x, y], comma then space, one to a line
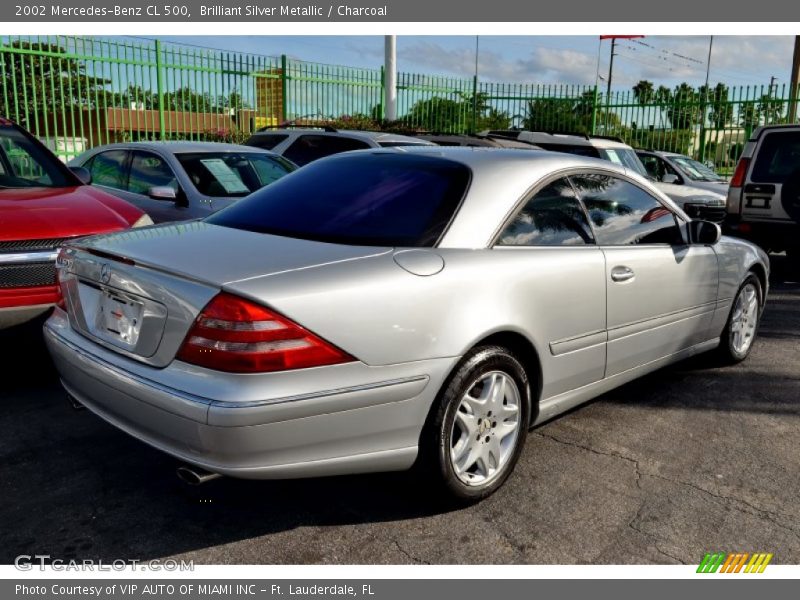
[742, 326]
[465, 448]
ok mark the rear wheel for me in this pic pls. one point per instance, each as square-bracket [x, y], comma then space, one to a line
[478, 426]
[742, 326]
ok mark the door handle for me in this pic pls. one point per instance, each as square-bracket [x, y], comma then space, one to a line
[621, 274]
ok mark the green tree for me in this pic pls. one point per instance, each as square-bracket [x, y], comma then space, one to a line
[644, 92]
[683, 107]
[720, 109]
[770, 109]
[45, 80]
[455, 115]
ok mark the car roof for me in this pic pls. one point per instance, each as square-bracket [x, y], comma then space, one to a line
[177, 147]
[376, 136]
[500, 178]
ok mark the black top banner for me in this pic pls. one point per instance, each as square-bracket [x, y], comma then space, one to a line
[400, 11]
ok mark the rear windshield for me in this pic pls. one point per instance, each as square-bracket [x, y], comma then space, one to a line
[365, 200]
[626, 158]
[571, 149]
[777, 158]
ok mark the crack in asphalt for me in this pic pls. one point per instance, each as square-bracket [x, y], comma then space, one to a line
[408, 555]
[729, 501]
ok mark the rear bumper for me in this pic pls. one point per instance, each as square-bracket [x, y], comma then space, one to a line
[367, 425]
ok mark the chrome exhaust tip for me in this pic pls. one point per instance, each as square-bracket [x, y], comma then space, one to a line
[195, 475]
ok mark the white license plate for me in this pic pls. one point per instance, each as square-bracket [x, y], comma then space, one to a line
[119, 318]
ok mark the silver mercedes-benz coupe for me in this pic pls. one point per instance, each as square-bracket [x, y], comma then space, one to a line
[382, 308]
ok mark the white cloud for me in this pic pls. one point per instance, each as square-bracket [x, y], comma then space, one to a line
[667, 60]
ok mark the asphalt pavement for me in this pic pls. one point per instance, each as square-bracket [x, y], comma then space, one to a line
[690, 459]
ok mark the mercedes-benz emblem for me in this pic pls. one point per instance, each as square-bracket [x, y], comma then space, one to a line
[105, 273]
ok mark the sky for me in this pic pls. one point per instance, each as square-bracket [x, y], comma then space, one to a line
[665, 60]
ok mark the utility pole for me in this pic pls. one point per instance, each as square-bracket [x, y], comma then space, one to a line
[390, 70]
[475, 89]
[613, 39]
[610, 73]
[705, 103]
[792, 114]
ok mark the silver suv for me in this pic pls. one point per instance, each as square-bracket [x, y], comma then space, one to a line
[698, 203]
[305, 145]
[764, 196]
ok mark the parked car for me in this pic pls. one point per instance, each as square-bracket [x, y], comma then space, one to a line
[700, 203]
[671, 167]
[177, 181]
[305, 145]
[474, 141]
[43, 204]
[383, 307]
[764, 195]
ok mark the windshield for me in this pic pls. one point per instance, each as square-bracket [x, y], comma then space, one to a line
[232, 174]
[625, 157]
[695, 170]
[362, 200]
[25, 164]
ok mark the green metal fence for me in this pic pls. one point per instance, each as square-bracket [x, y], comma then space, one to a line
[76, 92]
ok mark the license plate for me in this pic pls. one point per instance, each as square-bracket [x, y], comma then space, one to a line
[119, 318]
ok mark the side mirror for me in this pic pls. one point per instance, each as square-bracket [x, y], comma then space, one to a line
[85, 175]
[704, 232]
[162, 192]
[670, 178]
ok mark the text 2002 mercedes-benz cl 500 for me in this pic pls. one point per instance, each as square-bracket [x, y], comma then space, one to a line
[386, 307]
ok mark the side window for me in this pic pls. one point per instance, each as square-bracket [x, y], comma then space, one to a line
[149, 170]
[652, 165]
[108, 169]
[308, 148]
[624, 214]
[552, 217]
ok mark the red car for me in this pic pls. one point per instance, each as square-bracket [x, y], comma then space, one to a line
[42, 204]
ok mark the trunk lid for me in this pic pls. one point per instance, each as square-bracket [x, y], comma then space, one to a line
[138, 292]
[221, 255]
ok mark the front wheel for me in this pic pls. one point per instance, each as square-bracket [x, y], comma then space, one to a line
[479, 424]
[742, 326]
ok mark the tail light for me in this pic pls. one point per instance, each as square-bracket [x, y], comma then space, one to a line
[737, 180]
[235, 335]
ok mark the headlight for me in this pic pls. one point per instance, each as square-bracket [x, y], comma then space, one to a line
[143, 221]
[706, 200]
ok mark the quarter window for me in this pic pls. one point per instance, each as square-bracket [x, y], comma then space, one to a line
[624, 214]
[552, 217]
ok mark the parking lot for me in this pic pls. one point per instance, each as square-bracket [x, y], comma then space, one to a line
[690, 459]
